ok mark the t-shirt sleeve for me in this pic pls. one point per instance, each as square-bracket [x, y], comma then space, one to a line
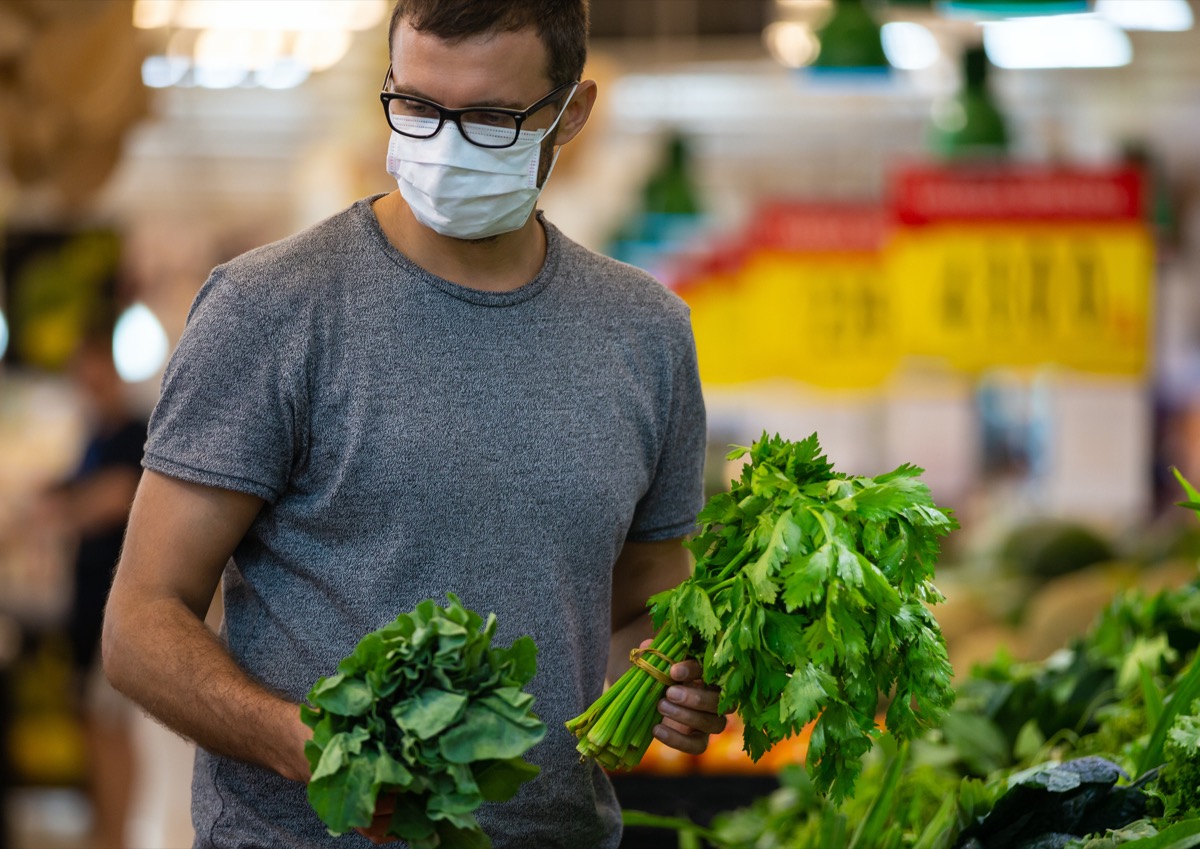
[227, 413]
[676, 494]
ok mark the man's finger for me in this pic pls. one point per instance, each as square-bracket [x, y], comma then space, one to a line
[686, 670]
[703, 721]
[696, 698]
[693, 743]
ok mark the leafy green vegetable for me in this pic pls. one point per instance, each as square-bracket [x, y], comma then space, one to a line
[1179, 779]
[808, 601]
[425, 709]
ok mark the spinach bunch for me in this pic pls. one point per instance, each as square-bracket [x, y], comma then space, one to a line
[425, 709]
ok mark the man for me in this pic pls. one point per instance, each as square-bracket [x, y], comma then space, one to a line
[432, 391]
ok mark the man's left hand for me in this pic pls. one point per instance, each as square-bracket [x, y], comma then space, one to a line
[689, 711]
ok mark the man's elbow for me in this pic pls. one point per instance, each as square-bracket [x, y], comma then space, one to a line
[114, 651]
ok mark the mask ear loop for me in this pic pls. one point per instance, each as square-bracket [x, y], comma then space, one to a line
[546, 132]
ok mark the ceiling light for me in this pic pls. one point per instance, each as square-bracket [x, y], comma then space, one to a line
[1158, 15]
[909, 46]
[1064, 41]
[282, 73]
[164, 71]
[139, 344]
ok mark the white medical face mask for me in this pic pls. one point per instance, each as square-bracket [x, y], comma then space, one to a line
[465, 191]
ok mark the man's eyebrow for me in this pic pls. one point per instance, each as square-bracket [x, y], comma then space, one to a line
[486, 104]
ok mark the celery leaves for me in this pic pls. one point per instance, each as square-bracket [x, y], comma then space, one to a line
[820, 584]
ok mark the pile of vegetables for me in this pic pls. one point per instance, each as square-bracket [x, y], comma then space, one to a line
[424, 709]
[808, 600]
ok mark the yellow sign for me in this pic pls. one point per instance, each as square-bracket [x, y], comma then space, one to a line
[978, 296]
[826, 319]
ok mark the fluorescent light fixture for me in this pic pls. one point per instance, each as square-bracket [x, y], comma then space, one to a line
[1157, 15]
[283, 73]
[909, 46]
[163, 71]
[3, 334]
[321, 50]
[294, 15]
[139, 344]
[1064, 41]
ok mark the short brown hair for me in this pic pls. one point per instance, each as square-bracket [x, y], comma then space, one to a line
[562, 25]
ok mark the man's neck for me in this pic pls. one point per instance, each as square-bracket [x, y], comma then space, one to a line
[499, 264]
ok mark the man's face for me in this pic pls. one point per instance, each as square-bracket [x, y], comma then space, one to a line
[505, 69]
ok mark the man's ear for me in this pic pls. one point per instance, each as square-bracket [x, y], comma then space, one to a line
[576, 113]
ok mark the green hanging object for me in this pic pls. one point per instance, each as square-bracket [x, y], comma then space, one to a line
[851, 40]
[671, 190]
[970, 124]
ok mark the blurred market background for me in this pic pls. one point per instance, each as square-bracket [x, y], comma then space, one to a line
[955, 233]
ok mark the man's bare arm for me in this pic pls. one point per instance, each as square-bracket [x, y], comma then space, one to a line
[157, 649]
[689, 710]
[643, 569]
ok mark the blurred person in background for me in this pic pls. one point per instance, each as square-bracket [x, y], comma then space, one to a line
[433, 390]
[91, 507]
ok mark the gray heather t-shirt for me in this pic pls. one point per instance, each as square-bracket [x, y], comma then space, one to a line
[412, 437]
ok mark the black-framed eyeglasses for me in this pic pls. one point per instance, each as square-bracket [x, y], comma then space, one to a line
[491, 126]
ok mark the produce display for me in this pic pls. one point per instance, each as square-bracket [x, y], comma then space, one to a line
[1094, 747]
[808, 602]
[427, 711]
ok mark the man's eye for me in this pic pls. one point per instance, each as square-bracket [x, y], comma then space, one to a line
[488, 119]
[413, 109]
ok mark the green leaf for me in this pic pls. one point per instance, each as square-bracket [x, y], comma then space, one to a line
[1187, 690]
[346, 798]
[1192, 494]
[806, 577]
[522, 660]
[500, 780]
[849, 569]
[429, 712]
[821, 646]
[805, 694]
[409, 820]
[338, 751]
[783, 637]
[342, 695]
[483, 734]
[389, 772]
[1181, 835]
[696, 609]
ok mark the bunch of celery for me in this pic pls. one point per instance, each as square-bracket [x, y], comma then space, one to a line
[808, 600]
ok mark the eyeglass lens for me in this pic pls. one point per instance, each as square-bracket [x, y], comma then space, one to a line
[481, 126]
